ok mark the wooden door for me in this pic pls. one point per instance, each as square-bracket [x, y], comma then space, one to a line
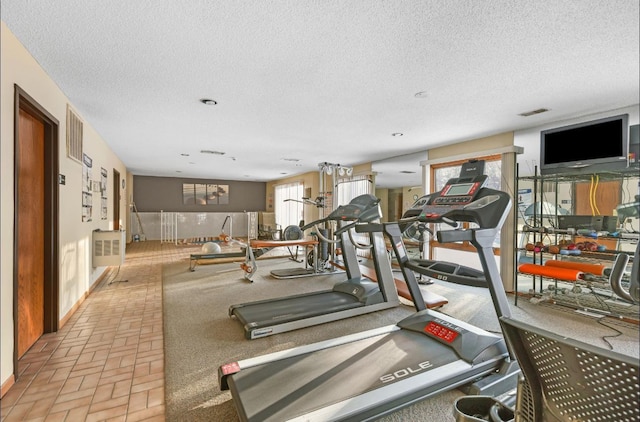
[30, 228]
[599, 198]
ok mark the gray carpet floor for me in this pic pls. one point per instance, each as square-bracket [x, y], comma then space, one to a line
[200, 335]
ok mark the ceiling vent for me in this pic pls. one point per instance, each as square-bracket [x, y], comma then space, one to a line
[532, 112]
[208, 151]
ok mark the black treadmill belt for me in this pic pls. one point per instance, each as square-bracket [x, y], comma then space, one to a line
[295, 308]
[284, 389]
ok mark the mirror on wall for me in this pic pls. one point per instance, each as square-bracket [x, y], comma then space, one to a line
[398, 183]
[402, 171]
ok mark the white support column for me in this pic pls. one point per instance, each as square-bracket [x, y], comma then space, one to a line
[508, 233]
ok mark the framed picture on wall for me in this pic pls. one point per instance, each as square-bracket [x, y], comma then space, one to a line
[200, 193]
[212, 194]
[205, 194]
[223, 194]
[188, 194]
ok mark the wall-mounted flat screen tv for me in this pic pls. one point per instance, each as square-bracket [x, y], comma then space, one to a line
[588, 147]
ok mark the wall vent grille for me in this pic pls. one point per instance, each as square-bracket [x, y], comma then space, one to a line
[74, 135]
[108, 248]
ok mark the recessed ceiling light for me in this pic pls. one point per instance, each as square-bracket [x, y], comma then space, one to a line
[421, 94]
[184, 155]
[532, 112]
[397, 134]
[407, 172]
[295, 160]
[178, 171]
[208, 101]
[208, 151]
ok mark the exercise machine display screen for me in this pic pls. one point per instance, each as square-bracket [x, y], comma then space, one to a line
[456, 192]
[445, 333]
[462, 189]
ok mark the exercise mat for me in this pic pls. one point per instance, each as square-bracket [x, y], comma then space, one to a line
[567, 274]
[595, 269]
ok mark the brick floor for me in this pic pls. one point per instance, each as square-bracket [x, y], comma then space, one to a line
[107, 362]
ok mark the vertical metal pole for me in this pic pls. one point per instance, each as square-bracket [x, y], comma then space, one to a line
[516, 256]
[175, 225]
[161, 226]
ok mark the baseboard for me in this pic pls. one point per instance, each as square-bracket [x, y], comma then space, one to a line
[79, 302]
[11, 380]
[7, 385]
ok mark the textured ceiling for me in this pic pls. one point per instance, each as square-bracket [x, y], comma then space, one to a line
[323, 80]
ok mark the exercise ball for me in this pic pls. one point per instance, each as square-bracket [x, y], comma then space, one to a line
[211, 247]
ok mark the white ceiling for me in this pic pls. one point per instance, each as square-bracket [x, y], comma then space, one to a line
[327, 80]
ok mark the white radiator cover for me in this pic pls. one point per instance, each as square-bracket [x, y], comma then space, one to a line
[108, 247]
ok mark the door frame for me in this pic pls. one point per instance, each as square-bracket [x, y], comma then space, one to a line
[116, 199]
[23, 101]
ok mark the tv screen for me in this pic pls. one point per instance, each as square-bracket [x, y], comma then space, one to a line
[597, 145]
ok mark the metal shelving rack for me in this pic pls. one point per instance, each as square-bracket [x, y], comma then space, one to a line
[563, 292]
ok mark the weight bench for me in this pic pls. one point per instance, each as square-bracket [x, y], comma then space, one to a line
[259, 247]
[194, 258]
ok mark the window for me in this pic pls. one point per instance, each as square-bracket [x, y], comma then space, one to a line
[447, 171]
[351, 187]
[288, 207]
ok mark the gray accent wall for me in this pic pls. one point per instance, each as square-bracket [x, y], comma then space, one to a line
[153, 194]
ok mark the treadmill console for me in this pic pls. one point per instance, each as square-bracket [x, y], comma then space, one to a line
[459, 192]
[462, 199]
[364, 208]
[456, 193]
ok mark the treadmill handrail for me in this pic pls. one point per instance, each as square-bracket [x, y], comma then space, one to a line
[615, 277]
[344, 228]
[325, 238]
[355, 242]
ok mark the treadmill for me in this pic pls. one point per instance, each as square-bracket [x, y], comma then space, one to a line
[441, 270]
[355, 296]
[366, 375]
[474, 178]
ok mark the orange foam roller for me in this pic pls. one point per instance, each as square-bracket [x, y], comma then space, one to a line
[595, 269]
[567, 274]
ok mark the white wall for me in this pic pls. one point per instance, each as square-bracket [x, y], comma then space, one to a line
[76, 274]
